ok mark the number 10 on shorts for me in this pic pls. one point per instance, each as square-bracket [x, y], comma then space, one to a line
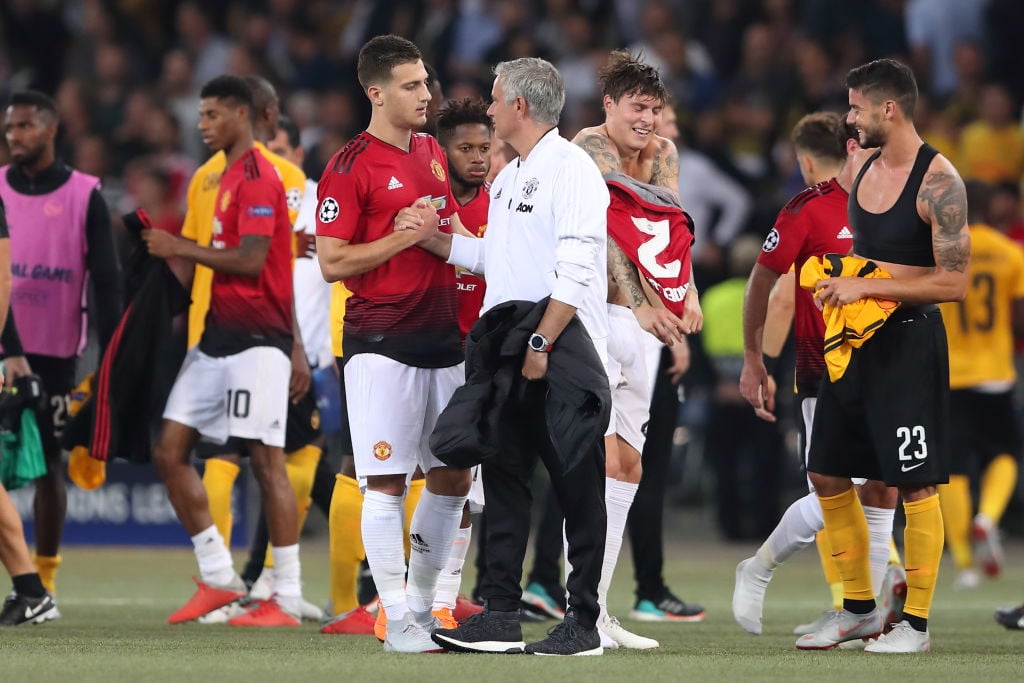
[238, 403]
[913, 446]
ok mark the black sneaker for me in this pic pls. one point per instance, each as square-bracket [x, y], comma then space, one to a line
[1011, 617]
[21, 609]
[666, 608]
[568, 639]
[490, 632]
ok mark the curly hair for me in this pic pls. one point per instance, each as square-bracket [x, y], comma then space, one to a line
[456, 113]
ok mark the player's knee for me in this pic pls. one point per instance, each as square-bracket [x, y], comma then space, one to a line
[876, 494]
[450, 481]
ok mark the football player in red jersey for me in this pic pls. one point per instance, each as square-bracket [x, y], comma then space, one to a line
[402, 349]
[634, 96]
[813, 223]
[465, 132]
[235, 382]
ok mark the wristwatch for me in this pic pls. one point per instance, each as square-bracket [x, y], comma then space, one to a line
[539, 343]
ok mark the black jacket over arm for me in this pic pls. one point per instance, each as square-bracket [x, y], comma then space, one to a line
[578, 403]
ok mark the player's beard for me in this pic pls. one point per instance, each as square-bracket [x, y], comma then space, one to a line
[458, 179]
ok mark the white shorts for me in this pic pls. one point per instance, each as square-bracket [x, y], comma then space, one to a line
[392, 409]
[807, 406]
[244, 395]
[627, 377]
[476, 492]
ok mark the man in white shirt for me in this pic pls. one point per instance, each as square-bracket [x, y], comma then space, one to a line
[546, 237]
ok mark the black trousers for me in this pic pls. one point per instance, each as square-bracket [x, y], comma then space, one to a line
[646, 518]
[580, 493]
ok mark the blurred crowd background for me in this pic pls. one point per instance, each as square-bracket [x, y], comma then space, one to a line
[126, 76]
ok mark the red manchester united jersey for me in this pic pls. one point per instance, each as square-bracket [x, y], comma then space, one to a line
[813, 223]
[404, 308]
[251, 311]
[471, 287]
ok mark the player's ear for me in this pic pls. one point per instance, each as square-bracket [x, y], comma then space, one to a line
[375, 93]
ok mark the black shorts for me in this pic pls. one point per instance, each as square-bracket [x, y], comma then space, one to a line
[887, 418]
[58, 378]
[982, 426]
[302, 429]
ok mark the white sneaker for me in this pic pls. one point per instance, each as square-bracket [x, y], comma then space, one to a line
[816, 625]
[609, 628]
[903, 638]
[859, 644]
[308, 611]
[752, 579]
[263, 589]
[841, 627]
[409, 637]
[893, 595]
[967, 579]
[988, 549]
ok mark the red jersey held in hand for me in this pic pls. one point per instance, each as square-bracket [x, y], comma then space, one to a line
[656, 235]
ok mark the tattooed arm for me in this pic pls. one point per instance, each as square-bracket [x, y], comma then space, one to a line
[600, 149]
[657, 320]
[942, 202]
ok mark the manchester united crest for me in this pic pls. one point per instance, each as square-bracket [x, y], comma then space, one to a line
[437, 169]
[382, 450]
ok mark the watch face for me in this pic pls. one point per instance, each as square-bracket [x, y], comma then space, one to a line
[537, 342]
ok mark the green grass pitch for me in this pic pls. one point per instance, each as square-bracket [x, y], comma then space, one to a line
[115, 603]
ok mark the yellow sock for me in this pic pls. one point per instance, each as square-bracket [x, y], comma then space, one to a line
[894, 552]
[922, 547]
[956, 518]
[301, 467]
[997, 486]
[847, 530]
[346, 544]
[828, 566]
[219, 481]
[412, 499]
[47, 568]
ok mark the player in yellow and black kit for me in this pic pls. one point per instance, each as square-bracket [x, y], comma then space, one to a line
[986, 439]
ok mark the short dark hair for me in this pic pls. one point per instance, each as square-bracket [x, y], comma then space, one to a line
[291, 130]
[263, 92]
[886, 79]
[823, 134]
[227, 87]
[432, 76]
[34, 98]
[624, 74]
[380, 55]
[456, 113]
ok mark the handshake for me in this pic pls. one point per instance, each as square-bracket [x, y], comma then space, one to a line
[419, 221]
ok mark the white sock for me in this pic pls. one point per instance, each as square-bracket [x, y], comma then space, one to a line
[431, 534]
[450, 581]
[618, 498]
[382, 538]
[286, 573]
[880, 531]
[215, 565]
[796, 530]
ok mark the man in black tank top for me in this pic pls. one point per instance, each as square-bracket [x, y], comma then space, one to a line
[887, 417]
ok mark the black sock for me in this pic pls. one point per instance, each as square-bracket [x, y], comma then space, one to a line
[917, 623]
[28, 585]
[858, 606]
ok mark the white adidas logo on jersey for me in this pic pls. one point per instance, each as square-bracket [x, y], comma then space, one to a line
[394, 184]
[844, 234]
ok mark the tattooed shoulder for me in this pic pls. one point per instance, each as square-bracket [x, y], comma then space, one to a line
[665, 165]
[600, 149]
[943, 199]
